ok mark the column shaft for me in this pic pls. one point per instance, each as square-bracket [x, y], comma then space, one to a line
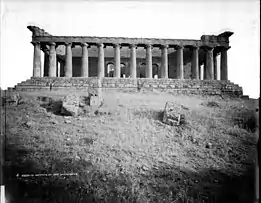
[52, 61]
[209, 64]
[195, 62]
[100, 60]
[117, 60]
[58, 65]
[85, 61]
[46, 65]
[205, 66]
[202, 67]
[215, 67]
[37, 60]
[148, 71]
[224, 64]
[180, 69]
[133, 68]
[164, 61]
[68, 60]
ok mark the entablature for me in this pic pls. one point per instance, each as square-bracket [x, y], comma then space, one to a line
[141, 42]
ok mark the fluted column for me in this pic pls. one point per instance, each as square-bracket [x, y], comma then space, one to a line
[52, 60]
[223, 65]
[68, 60]
[37, 59]
[164, 61]
[133, 67]
[209, 64]
[85, 61]
[100, 60]
[195, 63]
[180, 69]
[117, 60]
[148, 71]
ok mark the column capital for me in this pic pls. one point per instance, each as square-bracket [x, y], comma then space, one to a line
[68, 44]
[207, 48]
[195, 47]
[133, 46]
[178, 46]
[225, 48]
[117, 45]
[35, 43]
[85, 45]
[100, 45]
[148, 46]
[52, 43]
[164, 46]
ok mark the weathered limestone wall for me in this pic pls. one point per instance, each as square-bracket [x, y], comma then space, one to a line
[172, 70]
[206, 87]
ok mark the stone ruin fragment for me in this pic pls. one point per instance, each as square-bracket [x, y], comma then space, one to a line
[172, 115]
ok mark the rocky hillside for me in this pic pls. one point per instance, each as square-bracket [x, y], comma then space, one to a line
[121, 151]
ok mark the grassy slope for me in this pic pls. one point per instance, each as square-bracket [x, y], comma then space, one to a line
[130, 155]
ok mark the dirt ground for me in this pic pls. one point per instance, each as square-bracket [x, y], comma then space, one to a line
[122, 152]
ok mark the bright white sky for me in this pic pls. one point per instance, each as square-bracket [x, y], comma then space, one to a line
[161, 19]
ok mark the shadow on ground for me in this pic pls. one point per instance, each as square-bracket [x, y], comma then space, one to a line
[163, 184]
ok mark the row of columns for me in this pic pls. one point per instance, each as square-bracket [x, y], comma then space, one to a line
[210, 70]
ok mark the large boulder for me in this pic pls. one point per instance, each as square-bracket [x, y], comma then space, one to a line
[172, 115]
[70, 105]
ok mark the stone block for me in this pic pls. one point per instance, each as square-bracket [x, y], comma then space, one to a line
[70, 105]
[95, 101]
[171, 114]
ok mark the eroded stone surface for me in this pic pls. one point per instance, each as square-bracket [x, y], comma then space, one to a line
[70, 105]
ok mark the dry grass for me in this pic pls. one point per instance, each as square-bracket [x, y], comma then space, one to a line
[124, 153]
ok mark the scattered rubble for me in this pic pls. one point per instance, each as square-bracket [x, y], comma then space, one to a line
[73, 105]
[29, 124]
[208, 145]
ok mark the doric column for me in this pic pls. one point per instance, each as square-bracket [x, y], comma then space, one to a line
[68, 60]
[202, 67]
[46, 65]
[133, 68]
[180, 69]
[52, 60]
[85, 61]
[215, 66]
[195, 63]
[37, 59]
[164, 61]
[148, 61]
[100, 60]
[209, 64]
[223, 66]
[117, 60]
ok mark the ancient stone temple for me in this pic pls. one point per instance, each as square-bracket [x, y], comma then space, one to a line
[191, 66]
[71, 56]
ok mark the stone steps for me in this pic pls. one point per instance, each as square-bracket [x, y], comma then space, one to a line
[138, 84]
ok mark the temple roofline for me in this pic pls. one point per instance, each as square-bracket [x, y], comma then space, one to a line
[41, 34]
[38, 31]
